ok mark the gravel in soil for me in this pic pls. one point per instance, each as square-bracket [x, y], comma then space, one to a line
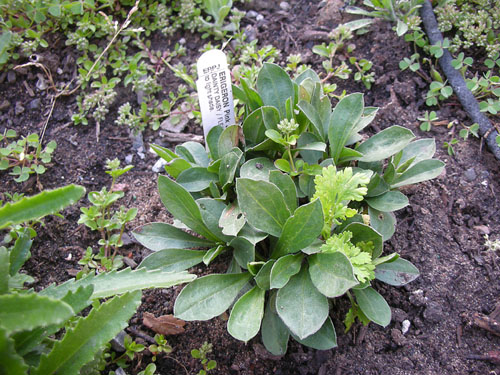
[441, 231]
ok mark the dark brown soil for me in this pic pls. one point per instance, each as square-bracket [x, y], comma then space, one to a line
[441, 232]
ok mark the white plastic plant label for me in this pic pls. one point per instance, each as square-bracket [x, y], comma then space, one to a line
[214, 90]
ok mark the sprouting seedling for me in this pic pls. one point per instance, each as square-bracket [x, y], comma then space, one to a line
[427, 120]
[201, 354]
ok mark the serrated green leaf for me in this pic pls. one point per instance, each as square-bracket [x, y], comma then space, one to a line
[275, 87]
[35, 207]
[399, 272]
[283, 269]
[209, 296]
[331, 273]
[263, 205]
[246, 315]
[173, 260]
[373, 306]
[301, 229]
[301, 306]
[386, 143]
[116, 282]
[324, 339]
[388, 202]
[19, 312]
[365, 233]
[183, 206]
[80, 344]
[11, 362]
[160, 236]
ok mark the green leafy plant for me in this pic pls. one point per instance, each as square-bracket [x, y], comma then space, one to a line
[300, 201]
[29, 345]
[401, 12]
[427, 120]
[25, 156]
[471, 23]
[161, 346]
[110, 223]
[201, 354]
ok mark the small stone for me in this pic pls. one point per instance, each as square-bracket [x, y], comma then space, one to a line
[417, 298]
[4, 105]
[259, 18]
[19, 108]
[34, 104]
[433, 312]
[252, 14]
[285, 6]
[129, 158]
[470, 174]
[182, 41]
[11, 76]
[159, 165]
[405, 326]
[118, 342]
[251, 33]
[129, 262]
[137, 141]
[120, 371]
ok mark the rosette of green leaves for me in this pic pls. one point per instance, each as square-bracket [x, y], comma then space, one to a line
[298, 224]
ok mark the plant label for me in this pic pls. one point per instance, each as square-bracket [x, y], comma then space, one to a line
[214, 90]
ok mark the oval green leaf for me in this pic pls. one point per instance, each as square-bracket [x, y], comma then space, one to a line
[301, 229]
[263, 205]
[373, 306]
[159, 236]
[246, 315]
[389, 201]
[209, 296]
[284, 268]
[386, 143]
[173, 260]
[397, 273]
[324, 339]
[331, 273]
[301, 307]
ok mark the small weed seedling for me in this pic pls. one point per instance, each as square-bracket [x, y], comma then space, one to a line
[427, 120]
[201, 354]
[109, 223]
[24, 156]
[161, 346]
